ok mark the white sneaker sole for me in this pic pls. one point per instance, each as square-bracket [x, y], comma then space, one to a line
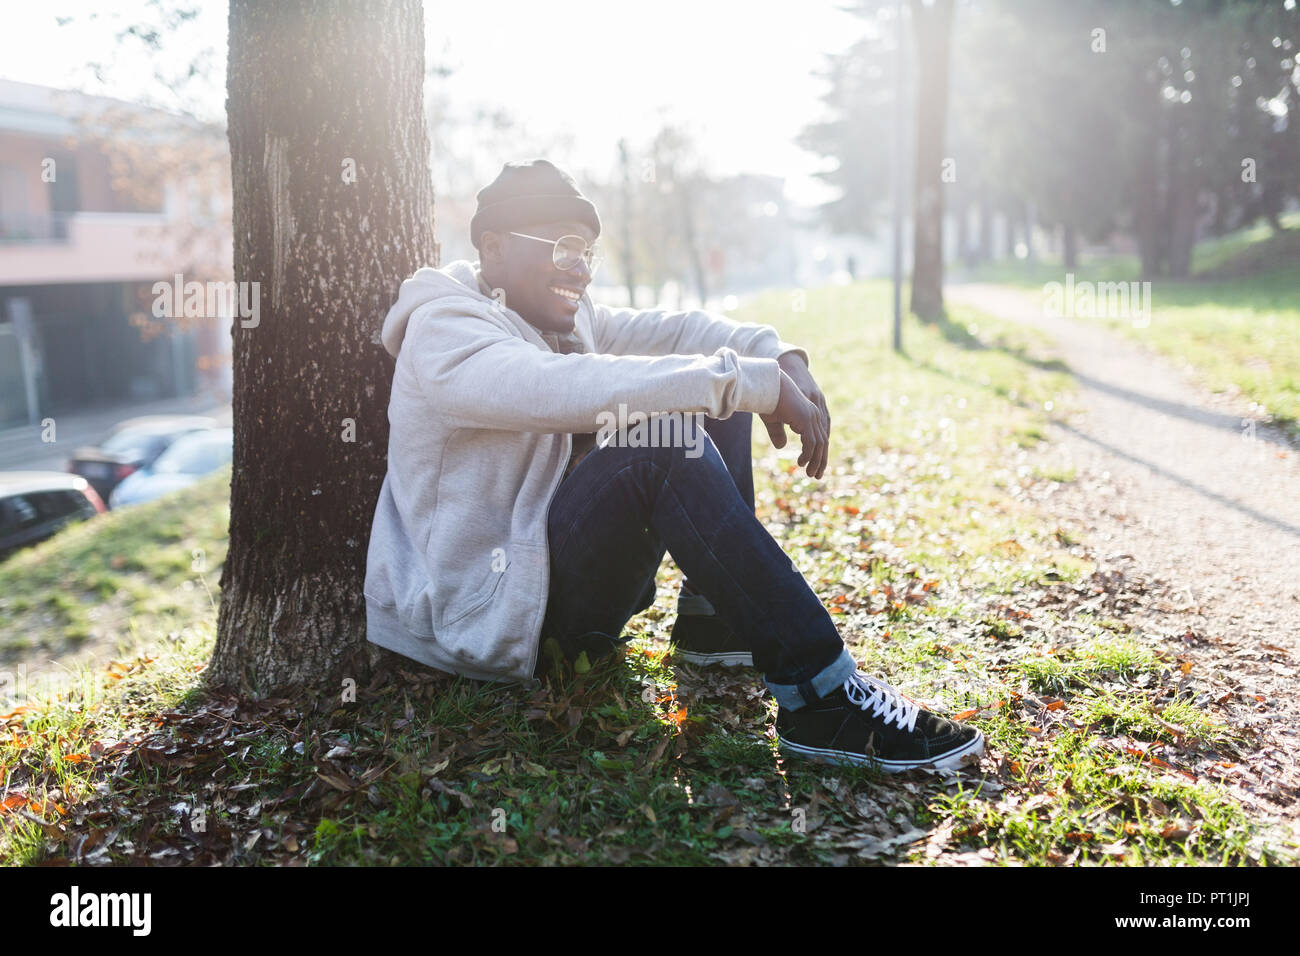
[724, 658]
[949, 761]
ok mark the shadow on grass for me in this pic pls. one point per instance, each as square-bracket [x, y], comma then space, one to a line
[1287, 428]
[962, 337]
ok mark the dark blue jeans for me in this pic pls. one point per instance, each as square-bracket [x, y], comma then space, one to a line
[614, 516]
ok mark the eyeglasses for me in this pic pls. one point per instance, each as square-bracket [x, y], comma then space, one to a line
[567, 251]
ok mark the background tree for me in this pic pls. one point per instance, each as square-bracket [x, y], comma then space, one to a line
[628, 208]
[681, 183]
[932, 29]
[316, 90]
[1138, 120]
[855, 132]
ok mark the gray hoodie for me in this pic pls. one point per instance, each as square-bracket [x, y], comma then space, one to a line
[481, 416]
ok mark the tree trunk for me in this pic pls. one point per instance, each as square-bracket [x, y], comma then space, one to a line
[1147, 172]
[963, 234]
[985, 248]
[932, 24]
[1031, 223]
[1273, 214]
[1184, 207]
[693, 253]
[1070, 246]
[629, 254]
[1182, 200]
[314, 91]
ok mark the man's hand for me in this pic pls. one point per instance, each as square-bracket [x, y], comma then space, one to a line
[797, 369]
[806, 419]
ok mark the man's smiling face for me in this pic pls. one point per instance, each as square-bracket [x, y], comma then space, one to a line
[544, 295]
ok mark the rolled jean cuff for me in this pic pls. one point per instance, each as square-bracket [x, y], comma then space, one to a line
[794, 696]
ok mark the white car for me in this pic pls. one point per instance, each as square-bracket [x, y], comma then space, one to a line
[184, 462]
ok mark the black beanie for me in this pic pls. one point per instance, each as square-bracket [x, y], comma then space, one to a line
[531, 191]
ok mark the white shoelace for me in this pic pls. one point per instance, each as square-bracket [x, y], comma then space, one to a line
[882, 700]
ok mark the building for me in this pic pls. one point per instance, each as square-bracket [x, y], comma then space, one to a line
[100, 200]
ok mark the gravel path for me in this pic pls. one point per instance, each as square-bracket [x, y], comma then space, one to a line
[1192, 494]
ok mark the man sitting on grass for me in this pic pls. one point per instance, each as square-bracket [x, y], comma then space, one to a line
[512, 517]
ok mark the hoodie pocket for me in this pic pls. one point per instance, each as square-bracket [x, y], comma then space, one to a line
[459, 609]
[494, 629]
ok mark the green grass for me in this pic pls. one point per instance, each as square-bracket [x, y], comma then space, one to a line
[920, 540]
[1238, 335]
[1253, 250]
[1235, 324]
[125, 574]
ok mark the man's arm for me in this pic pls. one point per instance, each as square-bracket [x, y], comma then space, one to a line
[478, 375]
[694, 332]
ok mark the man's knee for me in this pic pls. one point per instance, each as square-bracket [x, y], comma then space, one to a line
[666, 439]
[683, 439]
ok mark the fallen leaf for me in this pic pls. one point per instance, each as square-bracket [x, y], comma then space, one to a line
[337, 782]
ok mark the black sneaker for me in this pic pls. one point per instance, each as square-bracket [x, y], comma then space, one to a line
[704, 639]
[867, 722]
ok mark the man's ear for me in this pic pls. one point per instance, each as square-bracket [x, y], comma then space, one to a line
[491, 249]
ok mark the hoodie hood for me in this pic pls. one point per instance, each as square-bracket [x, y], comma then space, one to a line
[458, 279]
[456, 285]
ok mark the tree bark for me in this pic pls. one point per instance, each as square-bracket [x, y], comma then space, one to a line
[1010, 215]
[985, 249]
[1070, 246]
[932, 24]
[314, 90]
[1147, 199]
[1031, 224]
[962, 215]
[687, 210]
[629, 253]
[1184, 207]
[1273, 215]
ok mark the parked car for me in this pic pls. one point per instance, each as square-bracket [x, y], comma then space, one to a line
[131, 445]
[36, 504]
[184, 462]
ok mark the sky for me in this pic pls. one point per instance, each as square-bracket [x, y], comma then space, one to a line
[739, 74]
